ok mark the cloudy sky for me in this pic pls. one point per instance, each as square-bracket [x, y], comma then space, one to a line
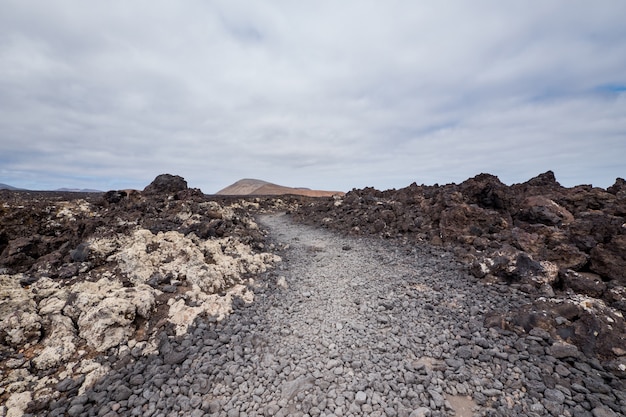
[320, 94]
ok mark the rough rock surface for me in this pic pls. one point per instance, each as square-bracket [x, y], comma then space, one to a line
[350, 327]
[118, 303]
[565, 244]
[85, 277]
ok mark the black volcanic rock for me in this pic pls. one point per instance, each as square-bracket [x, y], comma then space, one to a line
[543, 238]
[547, 179]
[619, 186]
[166, 184]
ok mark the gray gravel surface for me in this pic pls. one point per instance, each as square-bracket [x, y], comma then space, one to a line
[356, 327]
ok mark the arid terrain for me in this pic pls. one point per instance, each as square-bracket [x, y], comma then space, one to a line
[252, 187]
[471, 299]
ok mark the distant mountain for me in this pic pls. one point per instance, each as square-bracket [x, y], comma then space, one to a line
[250, 186]
[78, 190]
[8, 187]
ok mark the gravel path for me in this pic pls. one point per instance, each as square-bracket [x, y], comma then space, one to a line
[349, 327]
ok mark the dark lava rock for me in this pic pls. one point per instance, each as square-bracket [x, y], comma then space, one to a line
[609, 259]
[166, 184]
[583, 282]
[546, 239]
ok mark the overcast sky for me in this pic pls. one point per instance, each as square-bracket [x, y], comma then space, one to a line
[321, 94]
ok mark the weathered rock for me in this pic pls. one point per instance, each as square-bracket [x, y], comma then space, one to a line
[105, 311]
[583, 282]
[562, 350]
[521, 234]
[166, 184]
[609, 259]
[540, 209]
[59, 345]
[618, 187]
[20, 324]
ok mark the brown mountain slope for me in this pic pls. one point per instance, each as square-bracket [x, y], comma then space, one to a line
[249, 186]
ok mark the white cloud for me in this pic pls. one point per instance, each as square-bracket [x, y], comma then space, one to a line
[318, 94]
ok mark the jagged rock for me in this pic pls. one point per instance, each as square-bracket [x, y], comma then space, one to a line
[562, 350]
[516, 266]
[583, 282]
[19, 322]
[462, 222]
[618, 187]
[522, 234]
[70, 290]
[610, 259]
[545, 180]
[586, 323]
[540, 209]
[567, 256]
[104, 311]
[59, 345]
[487, 191]
[166, 184]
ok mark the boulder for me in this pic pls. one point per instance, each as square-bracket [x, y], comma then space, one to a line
[461, 221]
[20, 324]
[547, 180]
[618, 187]
[609, 260]
[166, 184]
[567, 256]
[583, 282]
[540, 209]
[487, 191]
[105, 311]
[515, 266]
[59, 345]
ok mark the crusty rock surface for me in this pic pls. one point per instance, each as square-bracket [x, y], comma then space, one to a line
[87, 277]
[564, 244]
[482, 299]
[352, 326]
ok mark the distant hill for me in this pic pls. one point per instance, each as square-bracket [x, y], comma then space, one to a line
[8, 187]
[78, 190]
[250, 186]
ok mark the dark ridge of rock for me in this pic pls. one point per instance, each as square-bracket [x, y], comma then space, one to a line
[618, 187]
[545, 180]
[166, 184]
[544, 238]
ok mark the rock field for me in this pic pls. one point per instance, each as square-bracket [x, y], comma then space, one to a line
[566, 247]
[479, 300]
[87, 279]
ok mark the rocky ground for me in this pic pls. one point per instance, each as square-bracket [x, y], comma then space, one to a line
[88, 278]
[170, 302]
[565, 247]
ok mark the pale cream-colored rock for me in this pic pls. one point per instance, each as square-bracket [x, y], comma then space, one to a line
[59, 345]
[17, 380]
[281, 282]
[214, 305]
[18, 312]
[53, 304]
[105, 310]
[21, 327]
[211, 265]
[93, 372]
[17, 402]
[99, 312]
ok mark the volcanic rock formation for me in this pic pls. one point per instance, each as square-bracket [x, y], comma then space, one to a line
[86, 276]
[566, 246]
[99, 293]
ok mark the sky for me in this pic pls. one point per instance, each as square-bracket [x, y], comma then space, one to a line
[323, 94]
